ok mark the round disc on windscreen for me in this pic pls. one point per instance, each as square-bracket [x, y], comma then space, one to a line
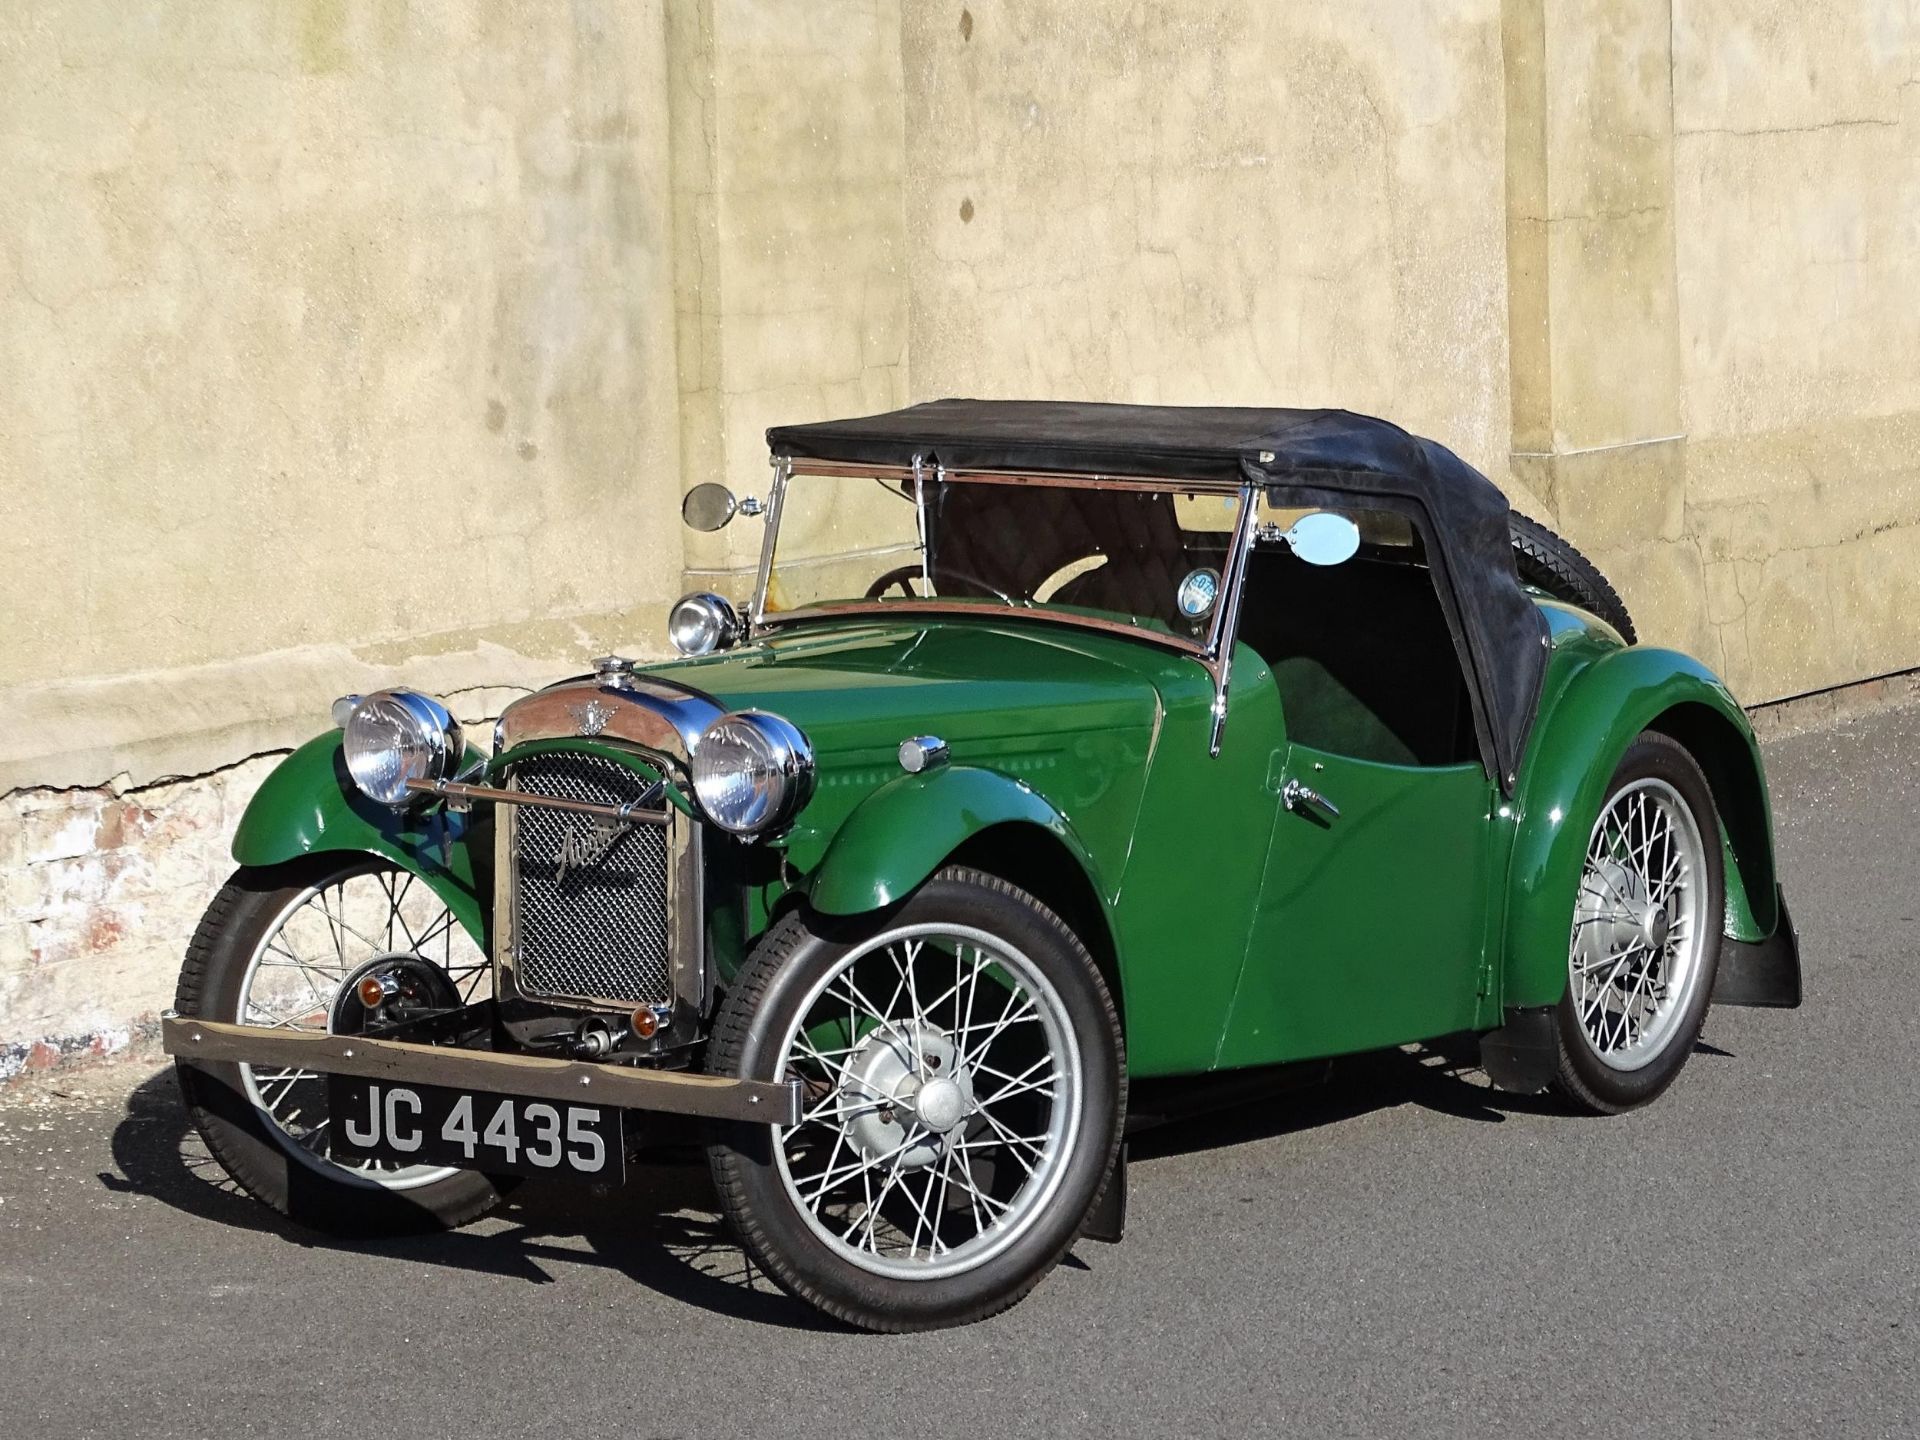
[1198, 592]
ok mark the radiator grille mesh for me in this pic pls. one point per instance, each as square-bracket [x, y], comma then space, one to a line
[591, 907]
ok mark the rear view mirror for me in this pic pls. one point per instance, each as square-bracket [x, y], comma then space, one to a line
[708, 507]
[1324, 538]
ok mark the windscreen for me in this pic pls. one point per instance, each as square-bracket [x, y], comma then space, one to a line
[1151, 558]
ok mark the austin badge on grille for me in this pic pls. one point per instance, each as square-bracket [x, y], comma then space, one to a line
[586, 847]
[592, 717]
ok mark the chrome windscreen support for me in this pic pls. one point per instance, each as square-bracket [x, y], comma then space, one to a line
[782, 473]
[920, 523]
[1220, 650]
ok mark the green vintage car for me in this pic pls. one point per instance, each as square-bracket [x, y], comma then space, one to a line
[1059, 748]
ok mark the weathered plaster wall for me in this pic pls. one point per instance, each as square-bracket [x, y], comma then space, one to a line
[1221, 201]
[788, 169]
[326, 324]
[1598, 432]
[1713, 245]
[337, 347]
[1797, 196]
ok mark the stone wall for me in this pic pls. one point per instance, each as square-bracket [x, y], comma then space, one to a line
[1796, 175]
[336, 332]
[353, 341]
[338, 344]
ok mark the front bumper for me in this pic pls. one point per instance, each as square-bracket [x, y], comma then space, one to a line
[537, 1076]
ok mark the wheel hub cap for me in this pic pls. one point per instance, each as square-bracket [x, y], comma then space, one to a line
[902, 1077]
[1654, 925]
[939, 1104]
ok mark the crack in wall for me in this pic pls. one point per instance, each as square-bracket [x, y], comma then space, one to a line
[117, 790]
[1814, 129]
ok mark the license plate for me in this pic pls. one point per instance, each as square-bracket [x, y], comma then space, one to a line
[431, 1125]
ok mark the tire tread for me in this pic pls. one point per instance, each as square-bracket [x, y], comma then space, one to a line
[728, 1041]
[1555, 565]
[1574, 1087]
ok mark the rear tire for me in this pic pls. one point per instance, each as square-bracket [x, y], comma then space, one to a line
[263, 1158]
[1547, 562]
[1646, 932]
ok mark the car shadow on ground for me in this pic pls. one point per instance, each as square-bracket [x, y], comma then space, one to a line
[1442, 1076]
[660, 1228]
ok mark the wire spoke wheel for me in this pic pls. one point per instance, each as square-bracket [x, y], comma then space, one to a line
[1641, 925]
[943, 1085]
[963, 1081]
[298, 978]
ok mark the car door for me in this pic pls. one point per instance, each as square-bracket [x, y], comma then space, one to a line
[1371, 924]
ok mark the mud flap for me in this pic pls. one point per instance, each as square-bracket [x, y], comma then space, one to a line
[1107, 1221]
[1523, 1054]
[1761, 972]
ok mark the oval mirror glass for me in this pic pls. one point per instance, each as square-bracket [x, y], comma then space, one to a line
[1324, 538]
[708, 506]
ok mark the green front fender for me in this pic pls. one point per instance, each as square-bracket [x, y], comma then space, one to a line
[1578, 742]
[899, 834]
[309, 805]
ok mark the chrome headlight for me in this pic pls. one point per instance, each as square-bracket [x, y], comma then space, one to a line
[752, 771]
[701, 623]
[394, 736]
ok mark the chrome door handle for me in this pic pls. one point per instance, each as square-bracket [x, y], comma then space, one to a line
[1294, 796]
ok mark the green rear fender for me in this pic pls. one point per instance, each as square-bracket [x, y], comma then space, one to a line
[1577, 745]
[309, 805]
[899, 834]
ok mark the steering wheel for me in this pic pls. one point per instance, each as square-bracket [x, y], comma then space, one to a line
[902, 577]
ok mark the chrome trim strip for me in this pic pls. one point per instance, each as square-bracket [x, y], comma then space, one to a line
[579, 1082]
[452, 790]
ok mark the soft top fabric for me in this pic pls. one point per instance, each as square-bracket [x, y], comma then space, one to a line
[1303, 457]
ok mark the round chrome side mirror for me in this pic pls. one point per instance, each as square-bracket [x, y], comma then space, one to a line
[1324, 538]
[709, 507]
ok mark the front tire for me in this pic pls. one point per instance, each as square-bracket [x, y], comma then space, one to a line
[1645, 938]
[965, 1090]
[278, 946]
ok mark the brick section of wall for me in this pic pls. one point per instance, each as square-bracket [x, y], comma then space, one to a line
[101, 889]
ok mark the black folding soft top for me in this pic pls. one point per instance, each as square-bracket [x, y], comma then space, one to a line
[1304, 457]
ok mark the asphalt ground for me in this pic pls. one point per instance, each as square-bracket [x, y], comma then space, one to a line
[1400, 1252]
